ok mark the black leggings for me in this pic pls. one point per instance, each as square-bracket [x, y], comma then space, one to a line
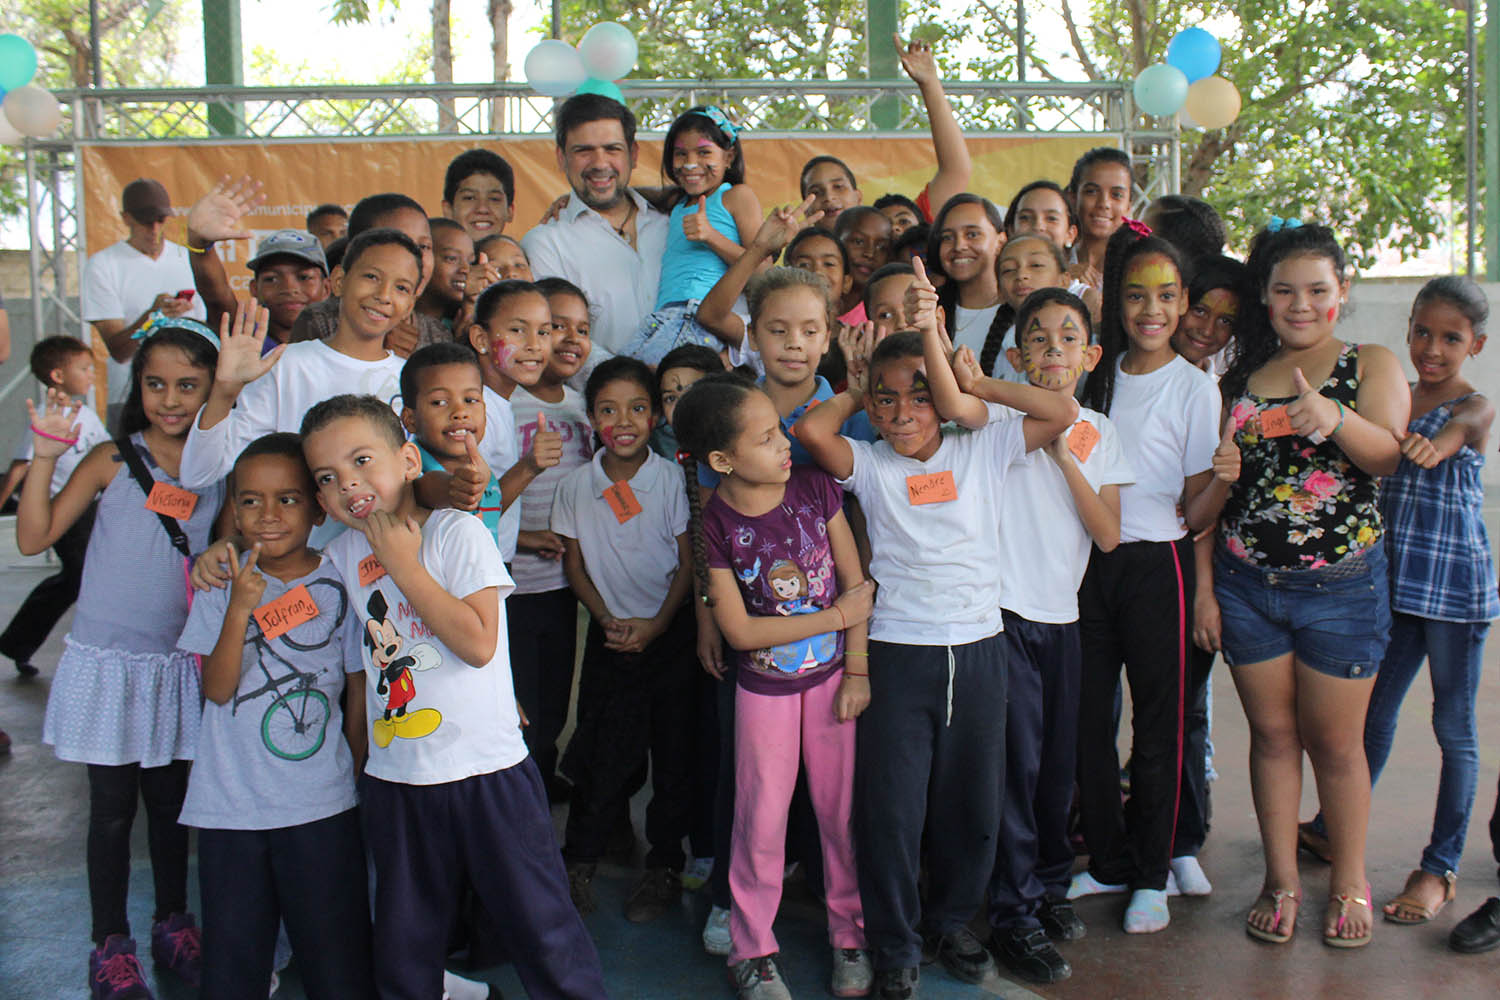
[113, 791]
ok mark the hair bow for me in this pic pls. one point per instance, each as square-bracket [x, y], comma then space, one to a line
[1138, 227]
[159, 321]
[719, 118]
[1277, 224]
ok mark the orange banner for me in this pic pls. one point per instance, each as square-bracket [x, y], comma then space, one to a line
[299, 175]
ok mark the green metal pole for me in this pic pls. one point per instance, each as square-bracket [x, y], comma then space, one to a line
[222, 60]
[880, 24]
[1492, 140]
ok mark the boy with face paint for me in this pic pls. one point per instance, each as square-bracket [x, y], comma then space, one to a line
[931, 747]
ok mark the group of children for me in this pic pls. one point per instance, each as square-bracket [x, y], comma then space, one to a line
[958, 475]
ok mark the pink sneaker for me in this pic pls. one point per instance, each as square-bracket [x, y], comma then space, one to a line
[177, 944]
[115, 973]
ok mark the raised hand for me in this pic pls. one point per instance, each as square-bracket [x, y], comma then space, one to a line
[1226, 460]
[695, 225]
[783, 223]
[219, 215]
[470, 479]
[857, 343]
[396, 541]
[966, 370]
[248, 586]
[1419, 451]
[920, 305]
[856, 602]
[1312, 413]
[241, 340]
[554, 210]
[917, 60]
[56, 428]
[546, 445]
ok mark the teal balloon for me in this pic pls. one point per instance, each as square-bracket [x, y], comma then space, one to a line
[17, 62]
[1161, 89]
[1195, 52]
[604, 88]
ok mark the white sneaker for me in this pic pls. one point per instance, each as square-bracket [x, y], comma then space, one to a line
[695, 873]
[853, 975]
[759, 979]
[275, 984]
[716, 932]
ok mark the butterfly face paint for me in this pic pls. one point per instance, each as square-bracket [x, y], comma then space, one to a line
[900, 407]
[1054, 347]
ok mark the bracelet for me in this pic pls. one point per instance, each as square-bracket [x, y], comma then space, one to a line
[850, 673]
[52, 437]
[1340, 425]
[193, 249]
[843, 622]
[850, 652]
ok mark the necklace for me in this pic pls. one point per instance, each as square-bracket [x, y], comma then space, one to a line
[622, 228]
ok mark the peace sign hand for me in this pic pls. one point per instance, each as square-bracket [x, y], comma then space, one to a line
[248, 586]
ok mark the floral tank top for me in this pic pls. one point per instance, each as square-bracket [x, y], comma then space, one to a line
[1298, 505]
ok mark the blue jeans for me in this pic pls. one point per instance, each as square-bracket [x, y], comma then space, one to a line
[1454, 652]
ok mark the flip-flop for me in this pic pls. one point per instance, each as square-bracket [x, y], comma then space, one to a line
[1407, 901]
[1345, 900]
[1278, 897]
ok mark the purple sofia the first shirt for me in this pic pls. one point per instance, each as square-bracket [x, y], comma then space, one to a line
[784, 566]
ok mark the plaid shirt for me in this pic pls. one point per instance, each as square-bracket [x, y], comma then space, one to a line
[1438, 548]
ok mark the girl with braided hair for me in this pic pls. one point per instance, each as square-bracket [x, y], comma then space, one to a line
[782, 575]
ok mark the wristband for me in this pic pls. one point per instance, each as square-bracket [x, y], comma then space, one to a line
[850, 673]
[1340, 425]
[193, 249]
[850, 652]
[52, 437]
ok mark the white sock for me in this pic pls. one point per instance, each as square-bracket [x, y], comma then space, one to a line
[1173, 889]
[458, 988]
[1084, 884]
[1189, 877]
[1147, 912]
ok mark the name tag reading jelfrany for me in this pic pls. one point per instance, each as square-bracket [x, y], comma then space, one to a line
[286, 612]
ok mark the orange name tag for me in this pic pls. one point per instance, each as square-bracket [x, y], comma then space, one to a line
[370, 570]
[936, 487]
[621, 500]
[1274, 423]
[173, 501]
[1081, 440]
[286, 612]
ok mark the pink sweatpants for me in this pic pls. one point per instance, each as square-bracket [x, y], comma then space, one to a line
[769, 733]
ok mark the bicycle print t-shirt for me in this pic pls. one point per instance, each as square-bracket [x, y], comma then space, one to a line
[274, 755]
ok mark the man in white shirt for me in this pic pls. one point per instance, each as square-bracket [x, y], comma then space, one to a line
[124, 283]
[607, 240]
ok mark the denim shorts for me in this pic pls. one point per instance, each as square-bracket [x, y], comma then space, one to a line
[1336, 619]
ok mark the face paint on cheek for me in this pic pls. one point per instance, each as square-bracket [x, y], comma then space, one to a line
[504, 353]
[607, 435]
[1333, 313]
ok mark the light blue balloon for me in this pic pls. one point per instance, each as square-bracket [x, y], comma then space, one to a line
[17, 62]
[1195, 52]
[604, 88]
[609, 50]
[553, 68]
[1160, 89]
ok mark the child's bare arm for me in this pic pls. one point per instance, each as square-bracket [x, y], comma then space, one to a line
[583, 587]
[743, 207]
[1100, 511]
[221, 668]
[954, 165]
[356, 729]
[818, 432]
[745, 631]
[1207, 623]
[13, 477]
[853, 696]
[1469, 425]
[40, 519]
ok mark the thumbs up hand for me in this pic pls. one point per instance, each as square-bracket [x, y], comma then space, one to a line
[695, 225]
[1313, 415]
[467, 484]
[546, 446]
[1226, 461]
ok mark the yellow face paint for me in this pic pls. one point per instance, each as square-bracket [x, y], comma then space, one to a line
[1151, 271]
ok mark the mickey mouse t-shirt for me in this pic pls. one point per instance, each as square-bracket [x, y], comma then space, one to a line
[433, 718]
[784, 566]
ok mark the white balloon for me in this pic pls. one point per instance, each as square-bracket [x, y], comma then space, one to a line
[609, 50]
[33, 111]
[9, 135]
[554, 69]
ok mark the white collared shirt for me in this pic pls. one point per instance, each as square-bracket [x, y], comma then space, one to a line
[631, 564]
[620, 280]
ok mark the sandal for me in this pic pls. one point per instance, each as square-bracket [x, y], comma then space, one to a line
[1274, 936]
[1345, 900]
[1314, 842]
[1408, 909]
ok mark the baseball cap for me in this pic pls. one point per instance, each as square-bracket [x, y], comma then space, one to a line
[289, 243]
[146, 200]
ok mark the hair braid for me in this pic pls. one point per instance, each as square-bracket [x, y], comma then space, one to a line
[695, 525]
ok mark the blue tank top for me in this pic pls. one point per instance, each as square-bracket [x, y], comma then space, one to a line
[689, 269]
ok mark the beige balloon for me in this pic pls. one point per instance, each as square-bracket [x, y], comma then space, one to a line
[1212, 102]
[33, 111]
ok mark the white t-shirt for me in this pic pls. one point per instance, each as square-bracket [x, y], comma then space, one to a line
[308, 373]
[498, 449]
[91, 434]
[120, 282]
[632, 563]
[1044, 546]
[620, 280]
[1168, 422]
[936, 562]
[532, 573]
[275, 755]
[971, 327]
[447, 720]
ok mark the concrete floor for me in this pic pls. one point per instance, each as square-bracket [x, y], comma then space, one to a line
[1204, 954]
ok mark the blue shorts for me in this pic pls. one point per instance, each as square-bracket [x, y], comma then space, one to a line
[666, 329]
[1336, 619]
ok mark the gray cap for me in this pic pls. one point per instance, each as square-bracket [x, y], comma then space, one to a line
[289, 243]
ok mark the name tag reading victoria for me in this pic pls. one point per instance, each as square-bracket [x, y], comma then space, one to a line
[286, 612]
[173, 501]
[932, 487]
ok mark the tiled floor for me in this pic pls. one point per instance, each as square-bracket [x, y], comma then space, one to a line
[1204, 954]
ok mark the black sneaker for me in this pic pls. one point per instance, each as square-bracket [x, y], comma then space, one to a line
[581, 887]
[895, 984]
[1027, 952]
[1060, 921]
[658, 890]
[962, 954]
